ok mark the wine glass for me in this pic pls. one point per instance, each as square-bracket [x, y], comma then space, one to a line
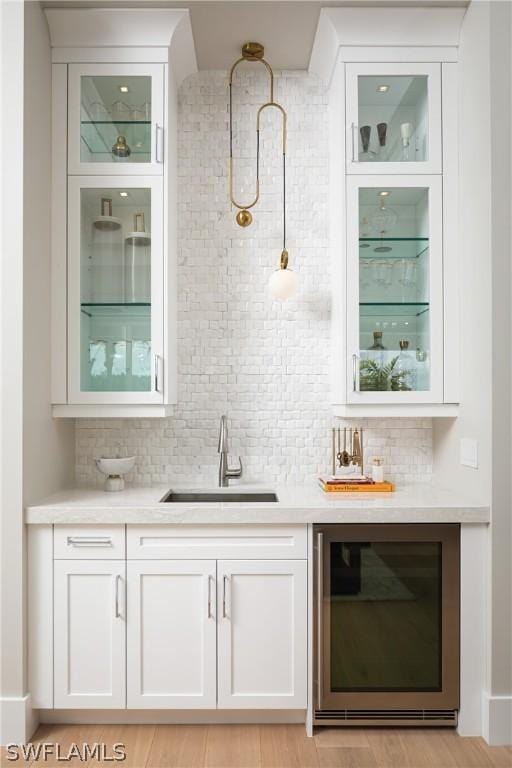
[382, 271]
[407, 275]
[365, 277]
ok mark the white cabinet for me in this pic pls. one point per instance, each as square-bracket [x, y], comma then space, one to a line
[115, 80]
[394, 212]
[89, 634]
[262, 634]
[188, 632]
[171, 638]
[393, 118]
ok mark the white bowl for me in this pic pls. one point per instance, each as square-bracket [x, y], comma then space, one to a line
[114, 469]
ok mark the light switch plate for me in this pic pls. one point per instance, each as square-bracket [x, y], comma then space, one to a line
[469, 452]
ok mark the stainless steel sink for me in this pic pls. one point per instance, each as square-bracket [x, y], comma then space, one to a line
[177, 497]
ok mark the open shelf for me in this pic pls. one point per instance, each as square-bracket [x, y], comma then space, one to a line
[399, 247]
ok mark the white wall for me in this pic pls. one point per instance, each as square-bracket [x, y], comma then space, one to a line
[500, 684]
[485, 410]
[11, 383]
[474, 420]
[37, 451]
[48, 444]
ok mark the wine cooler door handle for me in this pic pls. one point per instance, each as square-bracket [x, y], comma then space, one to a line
[355, 379]
[159, 143]
[319, 615]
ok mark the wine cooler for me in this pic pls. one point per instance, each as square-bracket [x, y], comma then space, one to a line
[387, 603]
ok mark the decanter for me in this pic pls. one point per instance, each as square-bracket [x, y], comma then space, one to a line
[403, 376]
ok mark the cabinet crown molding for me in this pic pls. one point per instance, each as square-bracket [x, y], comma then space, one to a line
[127, 27]
[383, 26]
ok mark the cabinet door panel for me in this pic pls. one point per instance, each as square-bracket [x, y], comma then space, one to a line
[262, 609]
[172, 634]
[393, 118]
[115, 296]
[394, 289]
[116, 116]
[89, 629]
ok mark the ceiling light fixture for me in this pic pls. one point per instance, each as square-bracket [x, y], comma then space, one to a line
[124, 88]
[382, 88]
[123, 194]
[283, 282]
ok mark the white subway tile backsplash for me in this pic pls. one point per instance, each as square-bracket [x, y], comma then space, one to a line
[264, 363]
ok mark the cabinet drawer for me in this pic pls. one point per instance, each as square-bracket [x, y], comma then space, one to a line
[86, 542]
[216, 541]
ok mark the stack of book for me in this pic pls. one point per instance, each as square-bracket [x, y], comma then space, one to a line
[353, 484]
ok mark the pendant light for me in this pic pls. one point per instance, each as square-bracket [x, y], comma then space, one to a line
[283, 282]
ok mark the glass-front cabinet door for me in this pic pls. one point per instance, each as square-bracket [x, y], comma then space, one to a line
[116, 114]
[395, 289]
[115, 289]
[393, 118]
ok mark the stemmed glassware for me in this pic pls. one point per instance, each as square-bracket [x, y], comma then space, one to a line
[382, 274]
[406, 271]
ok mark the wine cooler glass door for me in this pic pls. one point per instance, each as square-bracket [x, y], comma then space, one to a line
[390, 616]
[393, 118]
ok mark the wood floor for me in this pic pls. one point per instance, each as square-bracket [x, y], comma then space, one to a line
[270, 746]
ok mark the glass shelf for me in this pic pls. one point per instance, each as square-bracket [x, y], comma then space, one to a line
[116, 122]
[390, 309]
[116, 309]
[395, 247]
[100, 135]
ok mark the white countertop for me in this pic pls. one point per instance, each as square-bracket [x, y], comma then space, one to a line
[419, 503]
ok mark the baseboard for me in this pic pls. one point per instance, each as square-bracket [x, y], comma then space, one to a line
[168, 716]
[497, 719]
[18, 720]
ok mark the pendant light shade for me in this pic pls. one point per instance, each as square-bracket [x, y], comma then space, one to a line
[283, 282]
